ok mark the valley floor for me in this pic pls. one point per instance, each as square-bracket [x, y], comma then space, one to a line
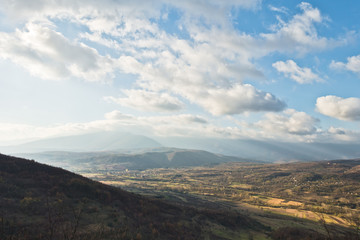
[323, 197]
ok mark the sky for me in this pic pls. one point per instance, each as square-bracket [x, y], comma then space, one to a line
[236, 69]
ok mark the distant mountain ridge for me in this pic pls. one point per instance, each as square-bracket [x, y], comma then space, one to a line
[268, 150]
[101, 141]
[263, 150]
[159, 158]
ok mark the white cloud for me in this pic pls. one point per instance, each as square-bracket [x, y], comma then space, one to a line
[289, 122]
[353, 64]
[289, 125]
[299, 34]
[212, 10]
[49, 55]
[341, 134]
[337, 131]
[10, 132]
[185, 125]
[278, 9]
[117, 115]
[148, 101]
[237, 99]
[180, 120]
[341, 108]
[296, 73]
[171, 125]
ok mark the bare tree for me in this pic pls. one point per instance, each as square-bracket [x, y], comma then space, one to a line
[70, 228]
[322, 221]
[354, 219]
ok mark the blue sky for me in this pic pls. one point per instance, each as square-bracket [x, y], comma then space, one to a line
[283, 70]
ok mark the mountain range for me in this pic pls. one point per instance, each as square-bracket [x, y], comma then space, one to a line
[157, 158]
[100, 141]
[263, 150]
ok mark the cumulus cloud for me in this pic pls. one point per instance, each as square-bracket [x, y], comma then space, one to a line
[337, 135]
[289, 122]
[352, 64]
[337, 131]
[199, 76]
[167, 125]
[148, 101]
[347, 109]
[237, 99]
[202, 78]
[184, 125]
[48, 54]
[291, 70]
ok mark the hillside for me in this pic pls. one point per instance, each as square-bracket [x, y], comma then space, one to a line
[38, 201]
[113, 161]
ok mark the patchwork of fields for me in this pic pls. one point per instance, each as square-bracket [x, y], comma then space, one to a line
[323, 196]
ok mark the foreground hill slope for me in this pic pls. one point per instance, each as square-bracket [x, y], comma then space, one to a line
[38, 201]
